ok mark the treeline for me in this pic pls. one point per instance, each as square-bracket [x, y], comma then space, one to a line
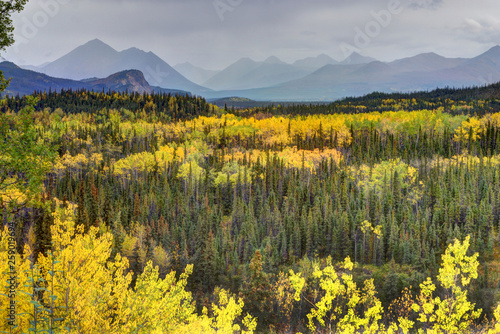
[468, 94]
[456, 101]
[247, 199]
[165, 107]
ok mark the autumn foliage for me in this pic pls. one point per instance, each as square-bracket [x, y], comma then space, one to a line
[159, 214]
[79, 288]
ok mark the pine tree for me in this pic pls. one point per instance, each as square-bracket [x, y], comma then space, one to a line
[256, 290]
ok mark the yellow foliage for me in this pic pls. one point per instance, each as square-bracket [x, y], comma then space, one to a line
[344, 307]
[12, 264]
[11, 194]
[308, 159]
[496, 324]
[191, 171]
[77, 288]
[454, 313]
[377, 177]
[139, 162]
[283, 295]
[160, 258]
[470, 129]
[468, 160]
[77, 162]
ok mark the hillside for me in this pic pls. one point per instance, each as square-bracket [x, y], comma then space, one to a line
[96, 59]
[25, 82]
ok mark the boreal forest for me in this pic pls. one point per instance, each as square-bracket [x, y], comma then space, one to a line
[156, 213]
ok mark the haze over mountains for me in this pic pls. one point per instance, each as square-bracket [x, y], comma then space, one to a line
[320, 78]
[25, 82]
[422, 72]
[96, 59]
[194, 73]
[246, 74]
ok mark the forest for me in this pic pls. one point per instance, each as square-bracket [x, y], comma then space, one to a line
[130, 213]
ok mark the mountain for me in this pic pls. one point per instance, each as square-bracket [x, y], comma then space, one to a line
[247, 74]
[420, 73]
[230, 77]
[33, 68]
[315, 62]
[355, 58]
[426, 62]
[482, 69]
[26, 82]
[273, 60]
[477, 71]
[131, 80]
[93, 59]
[318, 78]
[97, 59]
[196, 74]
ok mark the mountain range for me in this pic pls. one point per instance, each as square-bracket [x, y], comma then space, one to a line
[24, 82]
[320, 78]
[96, 59]
[246, 74]
[422, 72]
[194, 73]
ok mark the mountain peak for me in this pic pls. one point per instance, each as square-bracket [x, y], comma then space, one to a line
[431, 54]
[96, 59]
[8, 64]
[356, 58]
[245, 60]
[428, 56]
[128, 80]
[135, 50]
[324, 56]
[273, 60]
[94, 47]
[96, 40]
[96, 44]
[494, 50]
[315, 62]
[493, 55]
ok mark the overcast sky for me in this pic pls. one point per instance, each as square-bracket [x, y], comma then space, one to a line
[215, 33]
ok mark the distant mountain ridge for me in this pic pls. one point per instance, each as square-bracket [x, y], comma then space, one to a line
[97, 59]
[427, 62]
[320, 78]
[25, 82]
[315, 62]
[247, 73]
[196, 74]
[356, 59]
[419, 73]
